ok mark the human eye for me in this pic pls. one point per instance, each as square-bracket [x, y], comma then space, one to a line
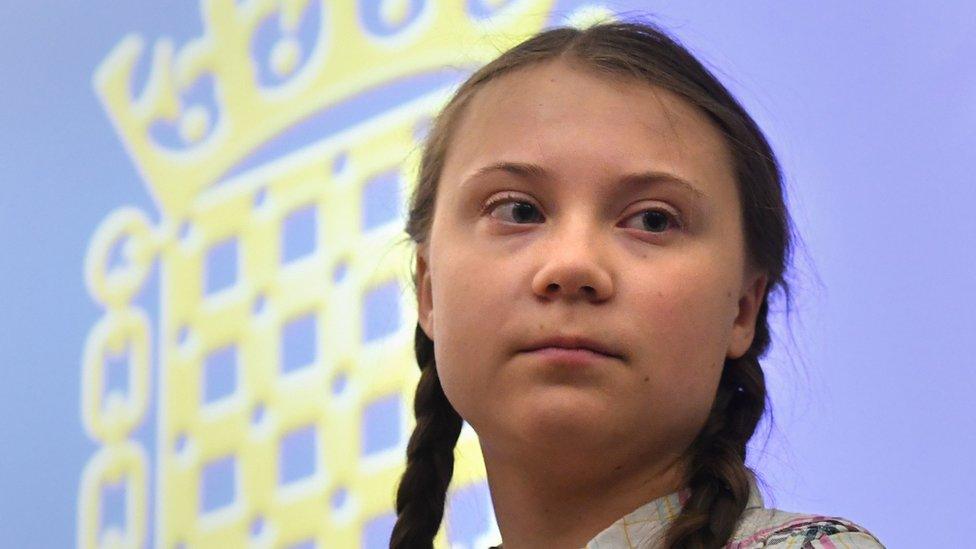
[521, 208]
[658, 220]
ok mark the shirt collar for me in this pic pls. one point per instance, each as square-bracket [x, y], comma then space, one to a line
[649, 521]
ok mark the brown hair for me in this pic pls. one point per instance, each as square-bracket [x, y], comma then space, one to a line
[717, 476]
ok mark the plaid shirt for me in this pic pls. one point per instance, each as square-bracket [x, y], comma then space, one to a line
[644, 528]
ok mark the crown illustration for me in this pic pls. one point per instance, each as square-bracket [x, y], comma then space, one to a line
[344, 59]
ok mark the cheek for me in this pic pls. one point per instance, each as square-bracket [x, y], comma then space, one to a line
[683, 314]
[689, 309]
[467, 302]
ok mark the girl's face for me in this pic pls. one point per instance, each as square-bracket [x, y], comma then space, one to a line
[600, 239]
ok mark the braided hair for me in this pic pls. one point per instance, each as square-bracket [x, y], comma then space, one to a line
[716, 473]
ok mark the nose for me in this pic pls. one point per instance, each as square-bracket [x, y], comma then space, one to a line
[573, 267]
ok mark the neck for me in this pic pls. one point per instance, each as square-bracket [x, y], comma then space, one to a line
[565, 501]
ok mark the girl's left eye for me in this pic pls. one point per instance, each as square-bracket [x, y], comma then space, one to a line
[655, 220]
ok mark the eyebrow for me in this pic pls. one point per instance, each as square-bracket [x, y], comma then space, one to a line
[529, 171]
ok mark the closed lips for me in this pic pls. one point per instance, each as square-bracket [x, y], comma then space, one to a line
[574, 343]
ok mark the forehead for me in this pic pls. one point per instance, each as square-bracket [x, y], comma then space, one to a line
[571, 118]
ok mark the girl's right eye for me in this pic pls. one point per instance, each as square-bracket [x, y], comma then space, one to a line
[520, 210]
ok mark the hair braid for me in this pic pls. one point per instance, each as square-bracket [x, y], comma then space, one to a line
[430, 457]
[717, 473]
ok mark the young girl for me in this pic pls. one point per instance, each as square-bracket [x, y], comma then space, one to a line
[598, 225]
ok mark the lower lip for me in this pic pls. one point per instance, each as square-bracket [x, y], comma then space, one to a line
[571, 357]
